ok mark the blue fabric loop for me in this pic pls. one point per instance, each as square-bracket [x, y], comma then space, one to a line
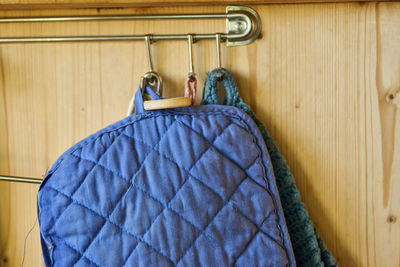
[139, 106]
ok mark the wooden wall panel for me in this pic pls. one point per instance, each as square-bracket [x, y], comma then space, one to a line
[319, 79]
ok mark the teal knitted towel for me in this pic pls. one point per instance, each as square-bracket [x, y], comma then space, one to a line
[309, 248]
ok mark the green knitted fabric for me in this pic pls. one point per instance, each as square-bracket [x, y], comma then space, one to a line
[308, 247]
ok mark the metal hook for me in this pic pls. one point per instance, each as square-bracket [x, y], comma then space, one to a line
[151, 78]
[147, 40]
[190, 44]
[218, 39]
[191, 82]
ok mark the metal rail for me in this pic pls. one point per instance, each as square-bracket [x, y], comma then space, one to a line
[242, 27]
[20, 179]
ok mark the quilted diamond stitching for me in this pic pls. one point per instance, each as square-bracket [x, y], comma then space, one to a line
[122, 243]
[83, 180]
[143, 256]
[145, 192]
[249, 242]
[225, 203]
[183, 145]
[99, 184]
[155, 219]
[177, 191]
[189, 196]
[259, 198]
[107, 220]
[76, 189]
[218, 194]
[259, 227]
[79, 252]
[134, 185]
[166, 205]
[245, 170]
[141, 166]
[194, 164]
[225, 156]
[172, 244]
[77, 217]
[251, 178]
[212, 219]
[129, 159]
[97, 163]
[132, 218]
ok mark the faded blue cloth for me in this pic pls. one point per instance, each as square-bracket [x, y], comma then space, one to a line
[308, 246]
[191, 186]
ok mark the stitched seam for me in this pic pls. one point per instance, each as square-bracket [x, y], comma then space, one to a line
[134, 177]
[116, 205]
[159, 214]
[137, 140]
[166, 113]
[132, 121]
[139, 188]
[144, 191]
[259, 228]
[259, 155]
[277, 218]
[116, 173]
[72, 195]
[223, 206]
[223, 154]
[212, 190]
[114, 223]
[177, 191]
[79, 252]
[188, 171]
[212, 220]
[249, 242]
[199, 180]
[241, 212]
[147, 193]
[227, 201]
[89, 171]
[274, 201]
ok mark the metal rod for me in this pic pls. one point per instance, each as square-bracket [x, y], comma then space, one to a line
[112, 38]
[190, 44]
[218, 38]
[147, 39]
[20, 179]
[239, 34]
[108, 18]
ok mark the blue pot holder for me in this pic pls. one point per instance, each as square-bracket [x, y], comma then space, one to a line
[190, 186]
[308, 247]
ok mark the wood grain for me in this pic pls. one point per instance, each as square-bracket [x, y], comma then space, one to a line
[320, 79]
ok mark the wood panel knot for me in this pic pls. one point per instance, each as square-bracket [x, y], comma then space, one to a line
[391, 219]
[393, 98]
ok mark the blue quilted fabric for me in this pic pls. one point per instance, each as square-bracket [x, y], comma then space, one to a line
[191, 186]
